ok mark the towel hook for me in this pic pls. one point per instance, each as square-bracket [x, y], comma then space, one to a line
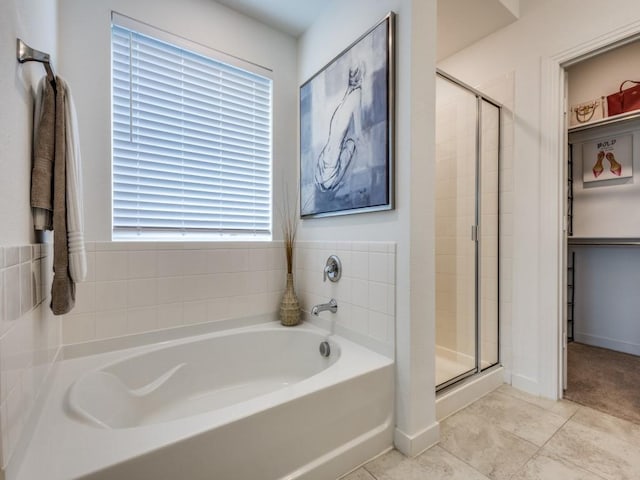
[25, 53]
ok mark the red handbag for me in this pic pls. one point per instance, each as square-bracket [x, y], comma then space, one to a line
[624, 100]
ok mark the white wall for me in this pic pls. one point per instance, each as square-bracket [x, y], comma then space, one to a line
[35, 23]
[606, 296]
[411, 224]
[607, 208]
[85, 56]
[29, 334]
[546, 29]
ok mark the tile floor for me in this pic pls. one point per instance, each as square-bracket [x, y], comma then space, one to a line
[509, 434]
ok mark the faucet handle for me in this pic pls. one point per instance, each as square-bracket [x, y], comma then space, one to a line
[332, 269]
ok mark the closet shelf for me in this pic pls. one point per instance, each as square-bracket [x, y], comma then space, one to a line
[614, 120]
[604, 241]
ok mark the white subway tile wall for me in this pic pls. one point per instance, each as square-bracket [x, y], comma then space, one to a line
[365, 293]
[141, 287]
[503, 90]
[30, 337]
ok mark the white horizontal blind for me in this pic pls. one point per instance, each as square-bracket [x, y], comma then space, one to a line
[191, 142]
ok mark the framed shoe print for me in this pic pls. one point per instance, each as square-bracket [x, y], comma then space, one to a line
[608, 158]
[347, 129]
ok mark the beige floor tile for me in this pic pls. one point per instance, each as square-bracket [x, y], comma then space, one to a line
[596, 451]
[563, 408]
[441, 465]
[543, 467]
[492, 451]
[524, 419]
[395, 466]
[622, 429]
[497, 437]
[359, 474]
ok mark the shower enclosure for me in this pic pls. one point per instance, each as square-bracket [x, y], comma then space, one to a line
[467, 231]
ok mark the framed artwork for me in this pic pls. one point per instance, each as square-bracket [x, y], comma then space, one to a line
[347, 129]
[607, 159]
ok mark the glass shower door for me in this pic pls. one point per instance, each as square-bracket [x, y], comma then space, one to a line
[467, 231]
[456, 159]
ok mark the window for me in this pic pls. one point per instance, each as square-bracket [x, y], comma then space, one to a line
[191, 140]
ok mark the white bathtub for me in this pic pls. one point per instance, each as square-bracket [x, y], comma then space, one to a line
[254, 403]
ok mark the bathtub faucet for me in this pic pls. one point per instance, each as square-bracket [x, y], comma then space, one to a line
[332, 306]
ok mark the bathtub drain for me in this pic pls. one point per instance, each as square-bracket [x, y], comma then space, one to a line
[325, 349]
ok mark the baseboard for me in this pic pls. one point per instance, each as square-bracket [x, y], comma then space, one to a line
[412, 445]
[610, 343]
[525, 384]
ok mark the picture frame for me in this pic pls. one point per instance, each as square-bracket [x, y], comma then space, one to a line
[608, 158]
[347, 129]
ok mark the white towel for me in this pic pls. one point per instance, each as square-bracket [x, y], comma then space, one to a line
[75, 217]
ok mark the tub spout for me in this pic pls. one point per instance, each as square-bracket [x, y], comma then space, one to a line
[332, 306]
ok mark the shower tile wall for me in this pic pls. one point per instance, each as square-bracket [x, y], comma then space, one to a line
[29, 337]
[502, 89]
[451, 273]
[455, 213]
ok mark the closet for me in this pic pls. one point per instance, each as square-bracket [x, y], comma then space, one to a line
[603, 236]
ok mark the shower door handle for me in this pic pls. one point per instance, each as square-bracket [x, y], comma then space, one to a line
[474, 233]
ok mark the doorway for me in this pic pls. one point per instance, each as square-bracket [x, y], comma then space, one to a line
[603, 237]
[467, 231]
[552, 221]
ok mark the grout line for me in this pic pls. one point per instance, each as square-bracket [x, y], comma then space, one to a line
[538, 451]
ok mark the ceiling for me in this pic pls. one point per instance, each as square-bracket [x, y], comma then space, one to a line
[289, 16]
[463, 22]
[460, 22]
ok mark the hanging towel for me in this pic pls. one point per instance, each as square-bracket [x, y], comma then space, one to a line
[75, 217]
[43, 153]
[63, 291]
[56, 178]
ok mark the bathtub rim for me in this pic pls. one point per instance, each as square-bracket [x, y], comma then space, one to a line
[124, 342]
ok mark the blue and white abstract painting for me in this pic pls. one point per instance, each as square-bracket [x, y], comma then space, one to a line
[344, 130]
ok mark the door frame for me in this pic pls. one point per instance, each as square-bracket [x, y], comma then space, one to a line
[553, 184]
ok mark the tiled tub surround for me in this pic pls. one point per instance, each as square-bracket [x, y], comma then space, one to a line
[135, 287]
[365, 293]
[29, 340]
[142, 287]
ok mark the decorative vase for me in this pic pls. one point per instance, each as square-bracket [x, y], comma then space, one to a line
[289, 307]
